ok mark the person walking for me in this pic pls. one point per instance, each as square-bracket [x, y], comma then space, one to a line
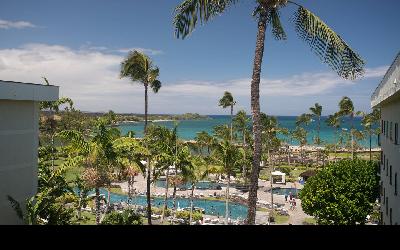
[286, 196]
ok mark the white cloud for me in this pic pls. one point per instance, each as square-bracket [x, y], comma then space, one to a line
[151, 52]
[4, 24]
[90, 76]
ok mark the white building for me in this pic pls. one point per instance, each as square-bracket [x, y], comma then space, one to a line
[19, 139]
[387, 98]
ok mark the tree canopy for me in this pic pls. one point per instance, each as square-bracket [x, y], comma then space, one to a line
[343, 193]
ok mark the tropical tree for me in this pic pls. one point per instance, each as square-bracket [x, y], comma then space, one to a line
[343, 193]
[96, 154]
[231, 158]
[334, 122]
[228, 101]
[323, 40]
[127, 217]
[204, 140]
[241, 123]
[346, 108]
[300, 134]
[140, 68]
[369, 121]
[316, 113]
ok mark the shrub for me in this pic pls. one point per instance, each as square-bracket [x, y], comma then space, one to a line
[127, 217]
[186, 215]
[343, 193]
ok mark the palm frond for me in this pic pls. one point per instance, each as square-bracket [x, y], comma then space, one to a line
[16, 206]
[329, 46]
[277, 28]
[187, 14]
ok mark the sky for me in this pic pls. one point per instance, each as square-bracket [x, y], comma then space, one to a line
[79, 45]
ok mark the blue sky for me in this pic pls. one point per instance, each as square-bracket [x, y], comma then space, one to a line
[79, 45]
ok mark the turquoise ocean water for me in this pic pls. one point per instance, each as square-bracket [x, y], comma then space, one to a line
[187, 129]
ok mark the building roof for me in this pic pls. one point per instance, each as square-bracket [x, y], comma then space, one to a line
[389, 87]
[20, 91]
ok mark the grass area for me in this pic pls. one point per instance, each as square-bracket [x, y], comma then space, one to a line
[281, 219]
[87, 219]
[310, 221]
[263, 209]
[117, 190]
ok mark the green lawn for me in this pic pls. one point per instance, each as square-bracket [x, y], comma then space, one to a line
[310, 221]
[281, 219]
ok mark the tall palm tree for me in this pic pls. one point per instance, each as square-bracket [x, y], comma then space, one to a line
[241, 123]
[368, 121]
[230, 157]
[139, 68]
[324, 41]
[227, 101]
[346, 108]
[334, 122]
[316, 112]
[97, 155]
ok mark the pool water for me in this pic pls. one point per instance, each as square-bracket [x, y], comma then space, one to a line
[211, 207]
[203, 185]
[287, 191]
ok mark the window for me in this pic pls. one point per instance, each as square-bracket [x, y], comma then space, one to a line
[387, 167]
[387, 206]
[396, 133]
[387, 129]
[390, 175]
[384, 195]
[390, 131]
[395, 184]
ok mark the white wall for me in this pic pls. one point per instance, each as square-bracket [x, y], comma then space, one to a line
[18, 154]
[391, 113]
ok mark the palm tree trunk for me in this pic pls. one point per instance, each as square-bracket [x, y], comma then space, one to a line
[231, 122]
[255, 110]
[148, 184]
[370, 144]
[191, 205]
[166, 196]
[108, 199]
[318, 139]
[227, 200]
[146, 103]
[174, 193]
[244, 165]
[336, 142]
[80, 204]
[97, 190]
[352, 138]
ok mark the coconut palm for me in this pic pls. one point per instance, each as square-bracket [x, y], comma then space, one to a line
[334, 122]
[140, 68]
[231, 158]
[324, 41]
[300, 134]
[316, 113]
[96, 154]
[227, 101]
[241, 123]
[368, 121]
[346, 108]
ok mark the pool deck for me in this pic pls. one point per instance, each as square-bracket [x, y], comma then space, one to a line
[297, 216]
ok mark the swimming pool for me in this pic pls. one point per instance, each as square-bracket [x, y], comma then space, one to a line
[287, 191]
[203, 185]
[210, 207]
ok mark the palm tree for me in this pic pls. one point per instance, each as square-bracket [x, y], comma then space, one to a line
[230, 157]
[323, 40]
[316, 112]
[139, 68]
[241, 123]
[300, 134]
[368, 120]
[97, 155]
[227, 101]
[346, 108]
[334, 122]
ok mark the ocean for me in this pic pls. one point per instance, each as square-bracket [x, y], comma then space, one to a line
[187, 129]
